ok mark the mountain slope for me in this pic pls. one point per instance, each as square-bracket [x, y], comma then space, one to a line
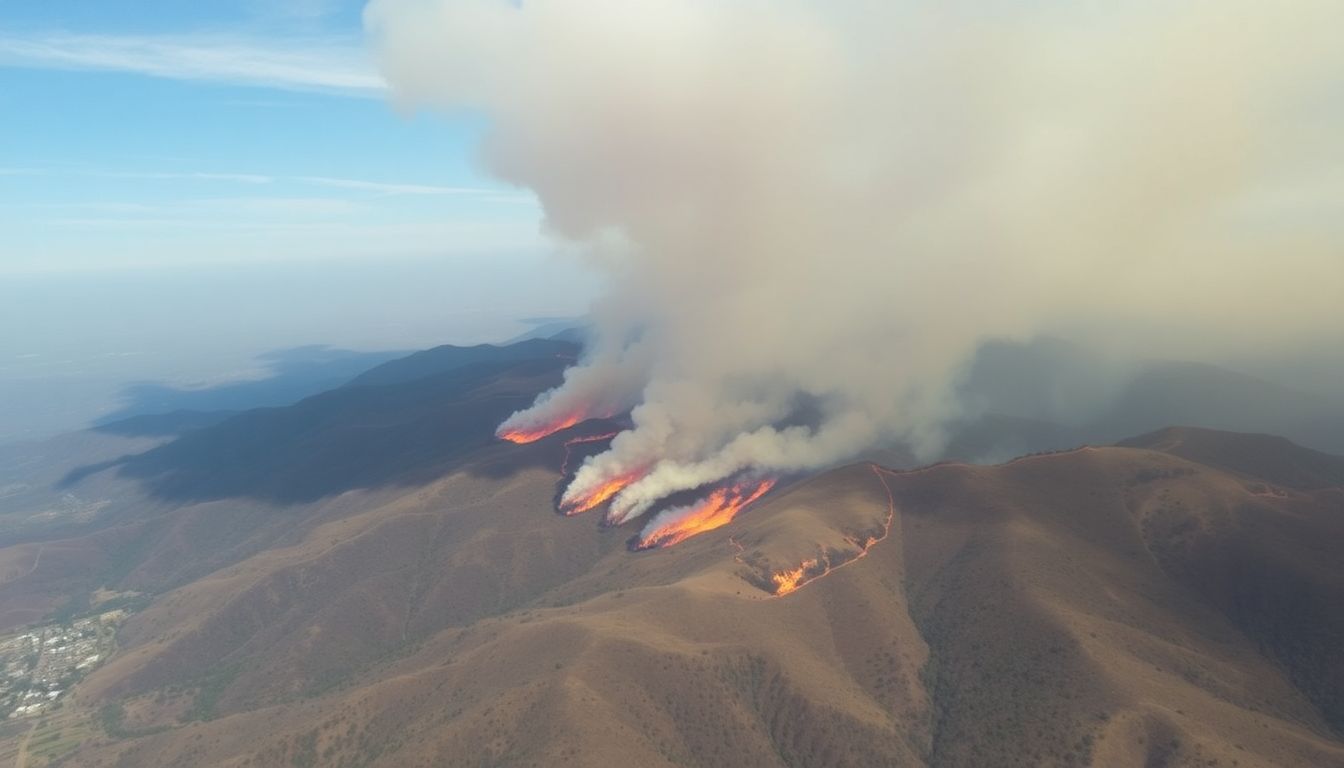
[447, 358]
[369, 578]
[148, 514]
[1266, 457]
[1088, 607]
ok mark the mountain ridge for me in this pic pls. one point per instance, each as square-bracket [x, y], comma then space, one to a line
[1173, 600]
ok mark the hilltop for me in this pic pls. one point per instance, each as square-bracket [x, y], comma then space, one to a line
[1174, 600]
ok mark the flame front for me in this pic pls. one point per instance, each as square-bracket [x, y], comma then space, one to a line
[599, 495]
[715, 511]
[525, 436]
[808, 571]
[789, 581]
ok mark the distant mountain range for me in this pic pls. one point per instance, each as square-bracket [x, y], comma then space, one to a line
[368, 578]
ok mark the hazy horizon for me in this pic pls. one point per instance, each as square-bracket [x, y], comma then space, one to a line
[184, 187]
[875, 383]
[83, 338]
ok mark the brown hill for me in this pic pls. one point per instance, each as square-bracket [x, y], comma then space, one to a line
[1106, 606]
[1264, 457]
[94, 509]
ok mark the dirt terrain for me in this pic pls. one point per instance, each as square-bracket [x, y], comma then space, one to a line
[1175, 601]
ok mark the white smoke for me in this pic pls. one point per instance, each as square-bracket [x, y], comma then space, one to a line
[839, 200]
[607, 384]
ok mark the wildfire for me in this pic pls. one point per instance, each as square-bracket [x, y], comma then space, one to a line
[715, 511]
[525, 436]
[788, 581]
[600, 495]
[794, 579]
[573, 441]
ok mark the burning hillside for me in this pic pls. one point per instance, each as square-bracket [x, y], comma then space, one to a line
[835, 203]
[525, 436]
[716, 510]
[792, 579]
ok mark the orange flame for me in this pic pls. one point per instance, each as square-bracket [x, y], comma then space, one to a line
[715, 511]
[600, 495]
[525, 436]
[794, 579]
[789, 581]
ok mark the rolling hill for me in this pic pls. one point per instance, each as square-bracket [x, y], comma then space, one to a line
[367, 578]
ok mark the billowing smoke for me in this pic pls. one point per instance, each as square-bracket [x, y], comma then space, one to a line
[826, 206]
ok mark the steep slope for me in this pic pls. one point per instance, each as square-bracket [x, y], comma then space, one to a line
[290, 375]
[447, 358]
[92, 510]
[1266, 457]
[1105, 606]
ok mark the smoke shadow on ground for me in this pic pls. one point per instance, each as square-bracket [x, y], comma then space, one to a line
[398, 424]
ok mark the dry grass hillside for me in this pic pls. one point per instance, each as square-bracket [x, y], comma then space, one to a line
[1119, 606]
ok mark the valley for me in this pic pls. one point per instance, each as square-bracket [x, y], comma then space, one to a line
[1171, 601]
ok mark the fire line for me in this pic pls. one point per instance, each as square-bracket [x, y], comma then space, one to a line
[788, 581]
[714, 511]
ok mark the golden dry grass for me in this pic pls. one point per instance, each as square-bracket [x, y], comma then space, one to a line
[1058, 610]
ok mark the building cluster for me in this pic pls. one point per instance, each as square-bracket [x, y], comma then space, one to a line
[39, 665]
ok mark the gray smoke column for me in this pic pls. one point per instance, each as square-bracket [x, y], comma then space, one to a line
[836, 201]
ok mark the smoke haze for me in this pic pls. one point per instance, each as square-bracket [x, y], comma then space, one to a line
[836, 203]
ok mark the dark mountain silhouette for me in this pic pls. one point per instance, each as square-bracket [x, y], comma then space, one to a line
[292, 375]
[1105, 606]
[368, 578]
[358, 436]
[445, 359]
[164, 424]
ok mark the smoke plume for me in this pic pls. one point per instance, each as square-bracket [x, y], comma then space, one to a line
[833, 203]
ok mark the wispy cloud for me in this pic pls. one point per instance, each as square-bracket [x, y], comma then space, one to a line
[379, 188]
[312, 65]
[385, 188]
[238, 178]
[200, 216]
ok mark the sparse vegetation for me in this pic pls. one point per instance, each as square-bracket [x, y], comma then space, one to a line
[1014, 617]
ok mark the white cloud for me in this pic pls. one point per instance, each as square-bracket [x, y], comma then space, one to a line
[392, 188]
[238, 178]
[311, 65]
[381, 188]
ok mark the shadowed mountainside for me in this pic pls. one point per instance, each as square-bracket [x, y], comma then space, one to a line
[1267, 457]
[292, 375]
[91, 509]
[403, 422]
[1103, 606]
[368, 578]
[445, 359]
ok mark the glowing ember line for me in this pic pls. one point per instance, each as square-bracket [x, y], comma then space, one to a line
[714, 511]
[601, 495]
[573, 441]
[789, 581]
[525, 436]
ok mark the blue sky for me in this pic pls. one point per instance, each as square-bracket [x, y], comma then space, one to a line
[187, 185]
[155, 132]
